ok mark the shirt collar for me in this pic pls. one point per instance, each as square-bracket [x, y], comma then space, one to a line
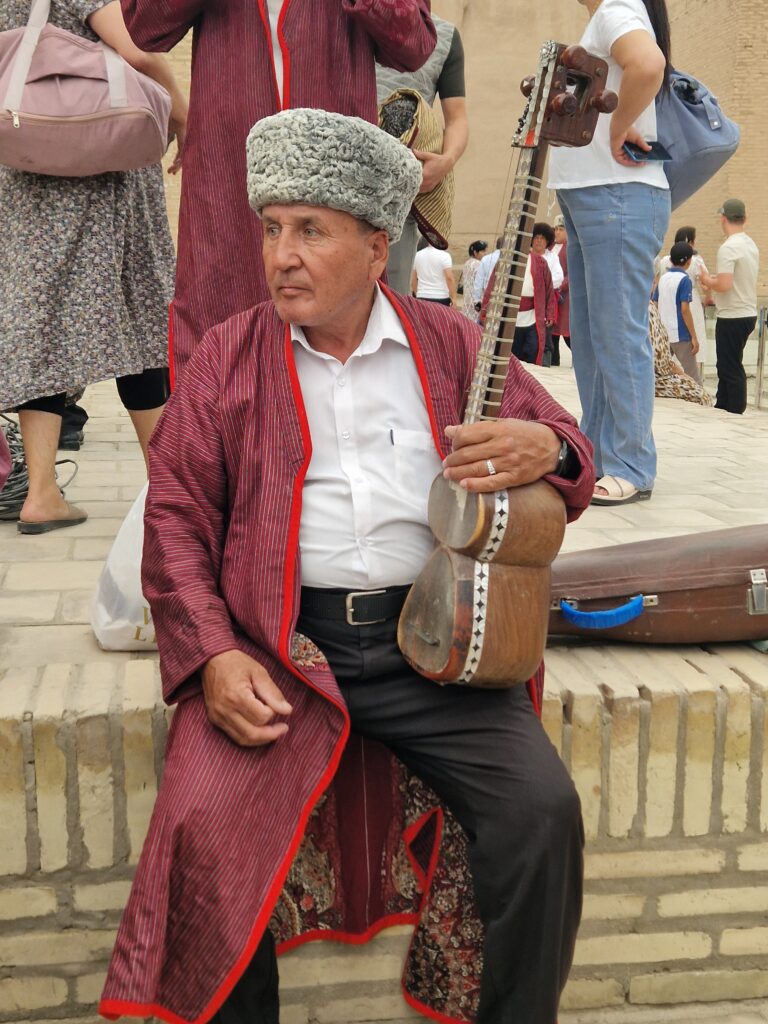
[383, 325]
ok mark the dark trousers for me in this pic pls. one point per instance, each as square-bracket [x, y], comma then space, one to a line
[525, 344]
[486, 755]
[556, 347]
[730, 338]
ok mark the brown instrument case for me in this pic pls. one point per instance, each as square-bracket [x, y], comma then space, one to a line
[699, 588]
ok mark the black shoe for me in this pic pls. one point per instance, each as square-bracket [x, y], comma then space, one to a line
[71, 440]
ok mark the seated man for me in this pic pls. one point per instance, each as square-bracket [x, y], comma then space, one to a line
[286, 518]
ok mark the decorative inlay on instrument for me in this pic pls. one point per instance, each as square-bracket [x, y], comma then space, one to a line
[477, 614]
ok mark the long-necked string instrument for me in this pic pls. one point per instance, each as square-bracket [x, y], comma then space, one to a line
[477, 613]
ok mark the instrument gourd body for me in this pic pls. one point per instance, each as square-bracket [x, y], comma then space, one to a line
[477, 613]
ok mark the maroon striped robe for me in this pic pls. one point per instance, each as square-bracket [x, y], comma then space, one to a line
[544, 299]
[221, 570]
[328, 49]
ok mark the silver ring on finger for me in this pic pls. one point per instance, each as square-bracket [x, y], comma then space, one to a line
[491, 468]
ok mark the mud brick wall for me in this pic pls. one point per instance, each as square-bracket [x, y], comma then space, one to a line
[670, 759]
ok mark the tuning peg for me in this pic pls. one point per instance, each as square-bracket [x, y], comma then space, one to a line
[527, 84]
[565, 104]
[605, 102]
[575, 58]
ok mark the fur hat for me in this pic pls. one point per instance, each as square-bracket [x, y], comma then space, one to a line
[325, 159]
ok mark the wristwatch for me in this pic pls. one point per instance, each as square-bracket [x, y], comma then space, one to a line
[568, 466]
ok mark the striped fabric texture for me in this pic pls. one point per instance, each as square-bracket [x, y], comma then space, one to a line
[329, 47]
[221, 570]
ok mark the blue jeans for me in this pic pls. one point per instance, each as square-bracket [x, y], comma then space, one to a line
[614, 234]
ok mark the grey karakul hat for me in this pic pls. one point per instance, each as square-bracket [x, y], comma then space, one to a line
[325, 159]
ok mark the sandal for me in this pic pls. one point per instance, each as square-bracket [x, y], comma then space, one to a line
[76, 516]
[620, 492]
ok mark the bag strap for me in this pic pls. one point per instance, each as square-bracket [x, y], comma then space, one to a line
[712, 110]
[38, 19]
[118, 93]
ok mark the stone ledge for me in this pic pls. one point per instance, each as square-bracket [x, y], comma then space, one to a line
[670, 767]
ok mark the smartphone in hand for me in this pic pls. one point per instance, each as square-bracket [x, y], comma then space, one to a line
[657, 152]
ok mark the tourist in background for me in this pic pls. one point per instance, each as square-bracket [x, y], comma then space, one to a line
[702, 296]
[616, 214]
[562, 326]
[432, 277]
[735, 291]
[674, 296]
[86, 275]
[485, 271]
[467, 280]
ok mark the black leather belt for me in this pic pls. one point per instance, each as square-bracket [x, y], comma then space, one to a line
[357, 607]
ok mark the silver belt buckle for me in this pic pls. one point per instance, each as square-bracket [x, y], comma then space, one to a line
[351, 611]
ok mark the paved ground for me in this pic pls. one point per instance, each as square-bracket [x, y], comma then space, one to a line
[753, 1011]
[712, 474]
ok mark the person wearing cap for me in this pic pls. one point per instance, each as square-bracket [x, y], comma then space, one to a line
[286, 518]
[735, 292]
[674, 297]
[252, 58]
[562, 326]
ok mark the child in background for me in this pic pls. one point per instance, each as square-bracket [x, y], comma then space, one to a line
[674, 295]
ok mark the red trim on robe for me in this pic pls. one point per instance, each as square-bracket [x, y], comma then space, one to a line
[420, 368]
[286, 99]
[171, 367]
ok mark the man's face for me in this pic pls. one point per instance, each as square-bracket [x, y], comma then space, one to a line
[320, 263]
[539, 245]
[560, 235]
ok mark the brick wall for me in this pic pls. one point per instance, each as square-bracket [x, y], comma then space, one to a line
[721, 41]
[670, 759]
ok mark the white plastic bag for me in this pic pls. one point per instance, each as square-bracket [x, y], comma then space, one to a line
[120, 617]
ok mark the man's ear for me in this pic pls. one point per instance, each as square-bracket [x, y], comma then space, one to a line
[379, 249]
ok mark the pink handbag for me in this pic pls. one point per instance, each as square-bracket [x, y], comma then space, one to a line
[72, 107]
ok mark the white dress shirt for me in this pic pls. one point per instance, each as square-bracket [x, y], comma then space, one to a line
[275, 7]
[364, 512]
[484, 271]
[555, 268]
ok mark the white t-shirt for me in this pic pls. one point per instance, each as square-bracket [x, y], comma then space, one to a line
[594, 164]
[738, 255]
[430, 266]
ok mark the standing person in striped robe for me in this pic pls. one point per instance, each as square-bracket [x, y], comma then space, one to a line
[286, 519]
[251, 58]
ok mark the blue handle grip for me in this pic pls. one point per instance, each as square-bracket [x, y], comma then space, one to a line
[606, 619]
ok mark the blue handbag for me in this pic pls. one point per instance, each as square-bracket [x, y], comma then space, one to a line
[694, 129]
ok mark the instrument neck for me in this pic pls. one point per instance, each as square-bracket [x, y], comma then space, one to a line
[495, 355]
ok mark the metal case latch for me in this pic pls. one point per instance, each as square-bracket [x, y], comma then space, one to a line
[757, 595]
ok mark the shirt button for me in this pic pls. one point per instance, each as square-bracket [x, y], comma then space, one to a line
[346, 435]
[342, 381]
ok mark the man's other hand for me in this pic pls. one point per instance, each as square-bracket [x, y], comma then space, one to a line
[242, 700]
[521, 451]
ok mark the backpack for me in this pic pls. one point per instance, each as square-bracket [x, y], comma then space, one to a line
[73, 107]
[700, 138]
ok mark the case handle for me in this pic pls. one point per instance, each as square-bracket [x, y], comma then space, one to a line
[603, 619]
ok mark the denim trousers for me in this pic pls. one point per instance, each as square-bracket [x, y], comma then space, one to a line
[614, 234]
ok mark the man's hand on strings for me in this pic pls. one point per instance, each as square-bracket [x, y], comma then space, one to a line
[242, 700]
[519, 451]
